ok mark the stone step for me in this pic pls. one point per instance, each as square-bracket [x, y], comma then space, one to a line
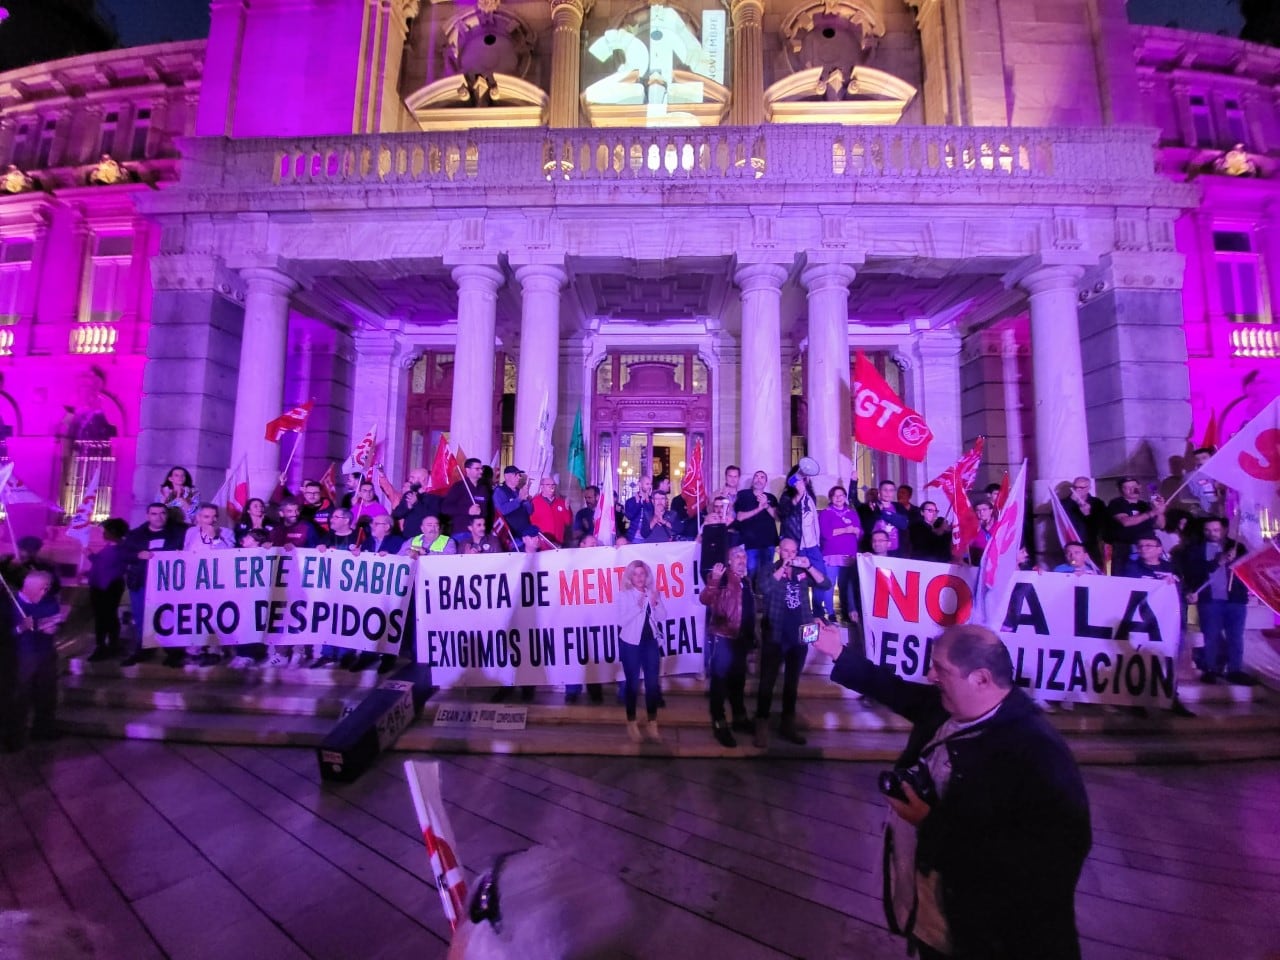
[602, 740]
[269, 698]
[156, 672]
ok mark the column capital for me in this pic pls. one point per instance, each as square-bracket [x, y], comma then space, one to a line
[827, 276]
[760, 276]
[569, 13]
[938, 344]
[479, 277]
[268, 280]
[746, 12]
[1049, 278]
[541, 277]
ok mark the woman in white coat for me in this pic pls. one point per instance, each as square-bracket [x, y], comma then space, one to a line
[641, 616]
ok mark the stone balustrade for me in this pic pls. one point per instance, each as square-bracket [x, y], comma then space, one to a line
[802, 155]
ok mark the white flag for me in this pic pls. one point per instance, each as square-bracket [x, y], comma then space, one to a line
[361, 458]
[1250, 461]
[437, 833]
[82, 522]
[605, 519]
[233, 495]
[1000, 558]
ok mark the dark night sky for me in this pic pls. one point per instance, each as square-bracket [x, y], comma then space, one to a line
[154, 21]
[151, 21]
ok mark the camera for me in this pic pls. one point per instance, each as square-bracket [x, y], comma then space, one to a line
[917, 777]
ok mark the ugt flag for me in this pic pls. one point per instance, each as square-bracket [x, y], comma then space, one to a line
[881, 419]
[291, 421]
[1250, 461]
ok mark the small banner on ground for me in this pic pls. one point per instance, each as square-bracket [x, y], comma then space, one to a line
[549, 617]
[279, 597]
[1088, 639]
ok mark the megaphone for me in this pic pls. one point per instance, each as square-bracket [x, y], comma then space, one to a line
[809, 467]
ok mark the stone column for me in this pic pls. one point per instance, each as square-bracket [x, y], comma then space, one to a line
[538, 379]
[764, 422]
[829, 430]
[380, 394]
[260, 387]
[566, 61]
[1061, 427]
[1009, 351]
[747, 108]
[471, 416]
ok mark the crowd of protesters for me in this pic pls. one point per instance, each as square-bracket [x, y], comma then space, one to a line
[772, 563]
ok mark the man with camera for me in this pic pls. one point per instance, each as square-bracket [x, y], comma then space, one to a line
[990, 821]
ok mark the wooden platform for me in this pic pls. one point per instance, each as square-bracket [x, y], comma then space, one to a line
[297, 707]
[196, 852]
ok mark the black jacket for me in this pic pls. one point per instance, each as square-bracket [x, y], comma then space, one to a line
[1195, 571]
[1011, 832]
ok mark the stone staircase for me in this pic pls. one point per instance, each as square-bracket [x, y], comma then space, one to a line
[298, 707]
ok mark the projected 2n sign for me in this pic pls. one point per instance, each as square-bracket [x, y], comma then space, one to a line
[649, 57]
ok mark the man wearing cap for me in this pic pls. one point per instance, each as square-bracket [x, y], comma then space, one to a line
[15, 569]
[511, 501]
[549, 513]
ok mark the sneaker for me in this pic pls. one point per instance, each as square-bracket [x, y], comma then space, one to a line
[1208, 677]
[132, 660]
[788, 732]
[240, 663]
[386, 663]
[298, 659]
[324, 663]
[633, 731]
[651, 732]
[721, 732]
[742, 725]
[277, 660]
[209, 659]
[364, 662]
[1238, 678]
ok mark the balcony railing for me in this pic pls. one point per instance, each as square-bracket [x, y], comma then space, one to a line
[812, 155]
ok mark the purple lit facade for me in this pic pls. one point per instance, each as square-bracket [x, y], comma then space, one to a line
[444, 218]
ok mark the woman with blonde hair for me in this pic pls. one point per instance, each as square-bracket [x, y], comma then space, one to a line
[641, 616]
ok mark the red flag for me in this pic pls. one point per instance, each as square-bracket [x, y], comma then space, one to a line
[1210, 441]
[1002, 495]
[881, 419]
[291, 421]
[444, 468]
[329, 483]
[966, 527]
[694, 488]
[966, 468]
[1260, 572]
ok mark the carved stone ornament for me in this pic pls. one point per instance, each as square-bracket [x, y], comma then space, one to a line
[836, 37]
[15, 181]
[488, 40]
[1236, 162]
[108, 172]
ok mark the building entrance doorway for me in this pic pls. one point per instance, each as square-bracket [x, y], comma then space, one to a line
[648, 413]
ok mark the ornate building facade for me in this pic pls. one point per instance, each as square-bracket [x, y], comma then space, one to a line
[682, 220]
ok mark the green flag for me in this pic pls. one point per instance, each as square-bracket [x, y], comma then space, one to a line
[578, 452]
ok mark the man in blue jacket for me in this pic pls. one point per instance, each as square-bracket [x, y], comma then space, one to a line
[1221, 601]
[985, 864]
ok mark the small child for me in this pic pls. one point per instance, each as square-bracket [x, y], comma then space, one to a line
[34, 662]
[106, 587]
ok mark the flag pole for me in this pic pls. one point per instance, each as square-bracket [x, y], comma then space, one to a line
[297, 442]
[22, 614]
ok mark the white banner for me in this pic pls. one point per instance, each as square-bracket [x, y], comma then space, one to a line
[277, 596]
[549, 617]
[1089, 639]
